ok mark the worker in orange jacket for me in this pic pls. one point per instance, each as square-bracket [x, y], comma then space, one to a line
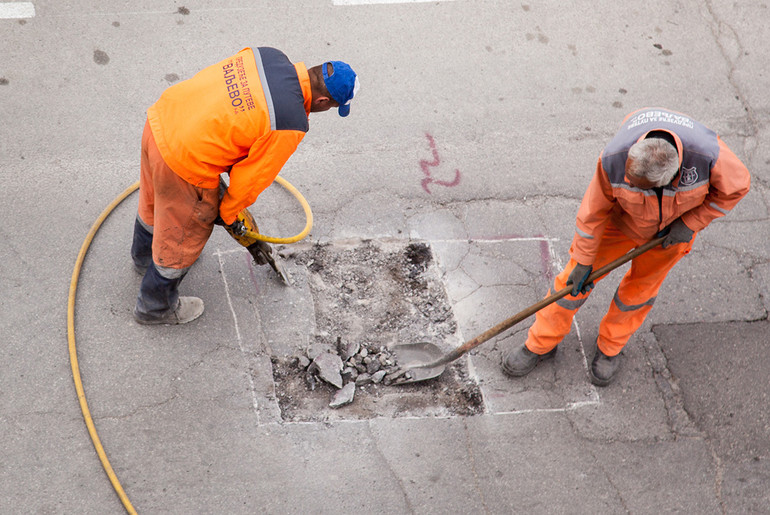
[662, 173]
[244, 116]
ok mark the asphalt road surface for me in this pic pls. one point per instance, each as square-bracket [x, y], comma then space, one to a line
[476, 131]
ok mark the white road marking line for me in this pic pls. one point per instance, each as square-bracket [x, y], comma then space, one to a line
[252, 387]
[557, 265]
[368, 2]
[14, 10]
[595, 399]
[144, 13]
[573, 406]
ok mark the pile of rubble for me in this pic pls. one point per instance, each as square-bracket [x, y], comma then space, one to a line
[368, 297]
[346, 367]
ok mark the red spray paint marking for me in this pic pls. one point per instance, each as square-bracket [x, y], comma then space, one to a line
[424, 164]
[545, 259]
[251, 271]
[545, 251]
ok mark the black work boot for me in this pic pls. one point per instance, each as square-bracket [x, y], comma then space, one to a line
[520, 361]
[603, 368]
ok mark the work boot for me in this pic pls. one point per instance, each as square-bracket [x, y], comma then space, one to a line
[603, 368]
[521, 361]
[187, 310]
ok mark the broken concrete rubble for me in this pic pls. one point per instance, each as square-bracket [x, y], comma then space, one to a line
[347, 351]
[315, 349]
[328, 367]
[343, 396]
[363, 379]
[352, 364]
[366, 298]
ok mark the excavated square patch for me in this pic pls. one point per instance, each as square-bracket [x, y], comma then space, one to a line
[374, 295]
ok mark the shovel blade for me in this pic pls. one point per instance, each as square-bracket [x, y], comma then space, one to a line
[411, 356]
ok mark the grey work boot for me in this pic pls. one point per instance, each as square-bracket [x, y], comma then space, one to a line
[187, 310]
[603, 368]
[520, 361]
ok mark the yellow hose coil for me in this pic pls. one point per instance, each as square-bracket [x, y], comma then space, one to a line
[73, 349]
[71, 318]
[308, 217]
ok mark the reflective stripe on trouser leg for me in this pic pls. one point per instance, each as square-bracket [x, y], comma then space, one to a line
[620, 322]
[159, 295]
[553, 322]
[636, 294]
[141, 248]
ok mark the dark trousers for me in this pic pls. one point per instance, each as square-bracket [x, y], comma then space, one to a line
[158, 295]
[141, 248]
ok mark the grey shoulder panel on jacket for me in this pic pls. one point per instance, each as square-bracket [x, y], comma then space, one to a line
[283, 92]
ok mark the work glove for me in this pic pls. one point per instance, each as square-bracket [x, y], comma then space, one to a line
[675, 233]
[577, 279]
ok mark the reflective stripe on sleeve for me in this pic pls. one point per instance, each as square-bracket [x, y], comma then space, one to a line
[720, 209]
[583, 233]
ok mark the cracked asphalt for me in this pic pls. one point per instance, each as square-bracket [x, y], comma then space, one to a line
[476, 131]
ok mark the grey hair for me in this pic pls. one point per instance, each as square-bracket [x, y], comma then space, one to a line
[654, 159]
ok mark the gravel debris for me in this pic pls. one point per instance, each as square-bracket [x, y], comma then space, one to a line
[369, 297]
[343, 396]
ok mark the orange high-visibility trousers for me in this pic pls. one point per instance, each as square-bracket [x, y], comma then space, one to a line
[180, 216]
[629, 307]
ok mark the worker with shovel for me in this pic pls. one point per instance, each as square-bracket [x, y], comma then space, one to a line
[662, 174]
[244, 116]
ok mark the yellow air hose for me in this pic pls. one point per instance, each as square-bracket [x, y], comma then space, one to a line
[71, 317]
[308, 217]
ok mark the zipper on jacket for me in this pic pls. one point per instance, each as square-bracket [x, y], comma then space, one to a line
[659, 194]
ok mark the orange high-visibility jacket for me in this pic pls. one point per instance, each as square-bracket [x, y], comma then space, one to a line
[244, 115]
[710, 182]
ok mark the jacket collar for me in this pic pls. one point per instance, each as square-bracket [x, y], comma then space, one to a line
[679, 151]
[304, 82]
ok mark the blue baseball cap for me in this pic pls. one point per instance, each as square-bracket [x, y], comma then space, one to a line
[342, 84]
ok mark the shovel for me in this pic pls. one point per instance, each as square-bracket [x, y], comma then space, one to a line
[423, 361]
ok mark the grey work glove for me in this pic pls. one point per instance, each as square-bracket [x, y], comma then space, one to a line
[577, 279]
[678, 232]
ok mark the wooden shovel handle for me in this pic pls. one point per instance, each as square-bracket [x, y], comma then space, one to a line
[534, 308]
